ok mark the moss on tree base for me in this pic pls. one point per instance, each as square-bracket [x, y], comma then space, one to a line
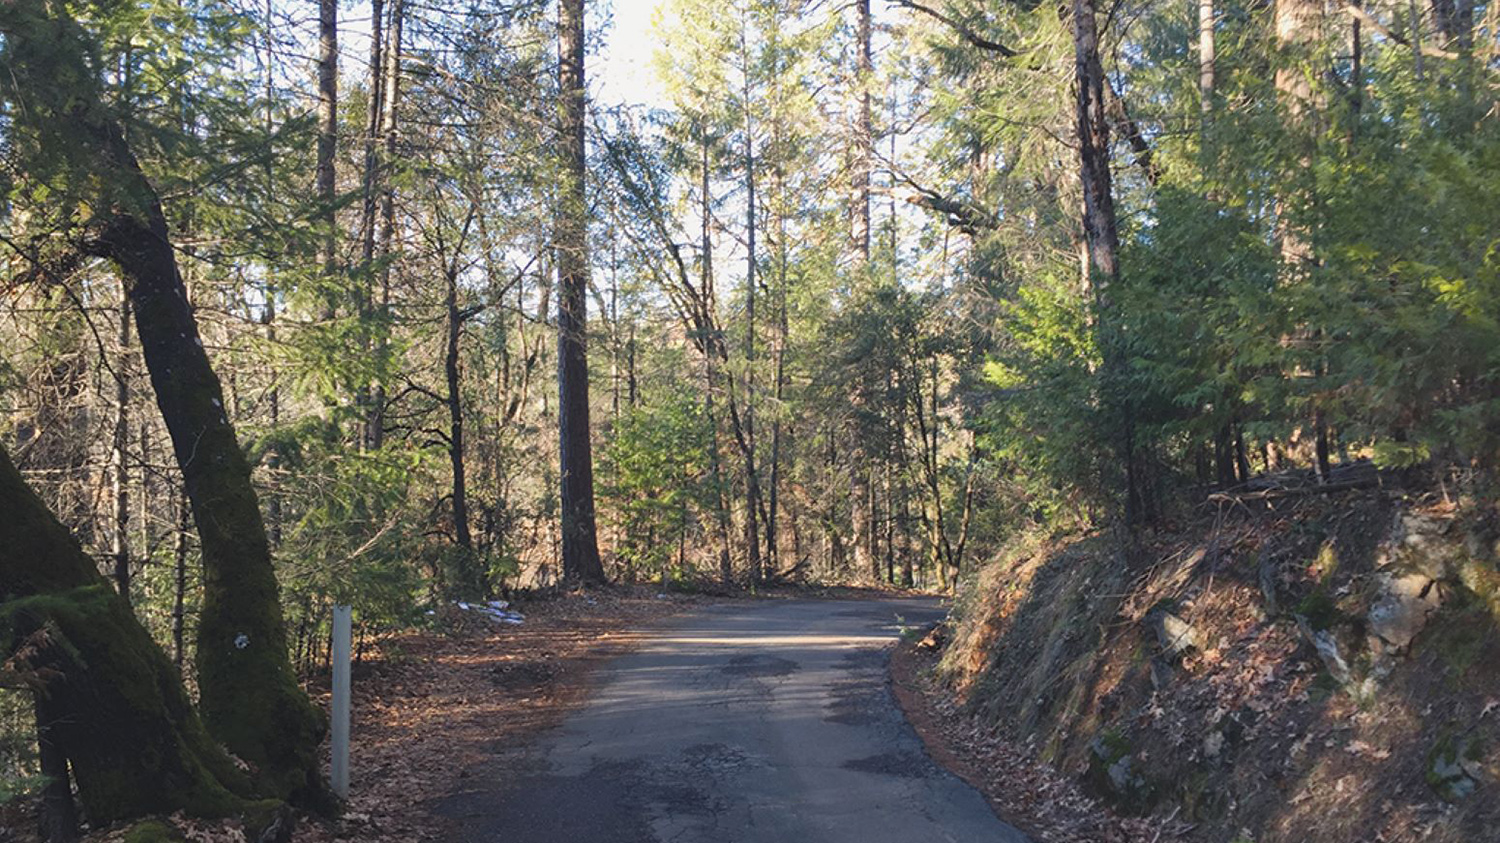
[120, 714]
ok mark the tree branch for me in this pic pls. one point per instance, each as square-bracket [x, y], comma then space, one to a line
[966, 215]
[1374, 23]
[1144, 155]
[958, 26]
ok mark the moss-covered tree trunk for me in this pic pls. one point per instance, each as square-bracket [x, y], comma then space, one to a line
[114, 704]
[249, 696]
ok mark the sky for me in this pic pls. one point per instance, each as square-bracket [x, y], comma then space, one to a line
[621, 71]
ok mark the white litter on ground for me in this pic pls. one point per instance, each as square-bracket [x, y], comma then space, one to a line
[495, 610]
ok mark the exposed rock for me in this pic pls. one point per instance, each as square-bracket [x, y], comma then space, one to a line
[1113, 775]
[1327, 647]
[1405, 604]
[1483, 579]
[1268, 572]
[1454, 768]
[279, 827]
[1175, 635]
[1479, 541]
[1422, 544]
[1437, 549]
[1213, 744]
[1161, 673]
[1228, 732]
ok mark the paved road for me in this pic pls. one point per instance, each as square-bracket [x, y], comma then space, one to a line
[764, 722]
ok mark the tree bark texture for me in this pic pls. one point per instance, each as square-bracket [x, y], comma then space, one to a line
[1299, 25]
[580, 546]
[328, 106]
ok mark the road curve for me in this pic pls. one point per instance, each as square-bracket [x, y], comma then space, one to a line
[751, 722]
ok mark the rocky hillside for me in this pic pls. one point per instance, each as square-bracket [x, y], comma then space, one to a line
[1287, 668]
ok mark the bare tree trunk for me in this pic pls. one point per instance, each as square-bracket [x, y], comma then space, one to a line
[775, 478]
[889, 524]
[1454, 20]
[59, 816]
[268, 311]
[721, 504]
[1206, 57]
[374, 117]
[903, 529]
[374, 411]
[1356, 73]
[710, 375]
[1241, 455]
[390, 102]
[861, 521]
[864, 134]
[752, 473]
[1224, 455]
[614, 315]
[1298, 31]
[1099, 222]
[580, 547]
[632, 387]
[1102, 237]
[859, 515]
[328, 106]
[454, 328]
[119, 480]
[179, 583]
[779, 376]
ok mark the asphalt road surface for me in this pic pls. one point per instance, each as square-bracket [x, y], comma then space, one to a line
[763, 722]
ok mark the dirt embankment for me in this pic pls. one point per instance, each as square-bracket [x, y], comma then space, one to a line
[1324, 668]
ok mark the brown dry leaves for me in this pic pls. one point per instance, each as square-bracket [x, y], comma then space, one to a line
[427, 707]
[1025, 791]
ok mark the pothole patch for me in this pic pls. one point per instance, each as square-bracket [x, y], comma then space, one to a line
[905, 765]
[759, 666]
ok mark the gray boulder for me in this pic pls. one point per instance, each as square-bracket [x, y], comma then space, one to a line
[1114, 774]
[1175, 635]
[1405, 604]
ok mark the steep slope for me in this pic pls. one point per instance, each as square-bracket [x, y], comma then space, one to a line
[1303, 668]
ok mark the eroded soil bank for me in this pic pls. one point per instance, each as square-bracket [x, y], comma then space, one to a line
[1318, 668]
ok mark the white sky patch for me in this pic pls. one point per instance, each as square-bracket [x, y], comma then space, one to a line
[621, 71]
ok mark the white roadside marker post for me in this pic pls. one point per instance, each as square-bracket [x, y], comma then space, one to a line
[339, 772]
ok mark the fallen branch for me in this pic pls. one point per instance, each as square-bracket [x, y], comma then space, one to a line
[1299, 491]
